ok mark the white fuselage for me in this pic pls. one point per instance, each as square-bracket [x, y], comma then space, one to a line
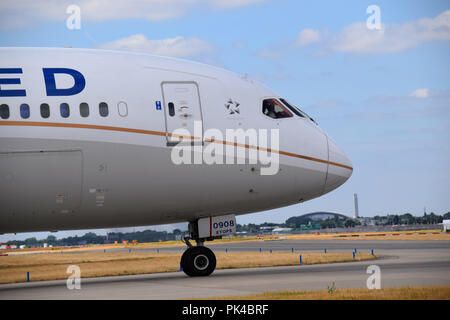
[114, 168]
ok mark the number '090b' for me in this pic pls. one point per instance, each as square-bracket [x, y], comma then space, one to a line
[225, 224]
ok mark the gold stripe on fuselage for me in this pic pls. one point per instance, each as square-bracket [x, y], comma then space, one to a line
[163, 134]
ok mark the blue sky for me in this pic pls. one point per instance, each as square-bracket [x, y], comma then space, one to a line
[383, 95]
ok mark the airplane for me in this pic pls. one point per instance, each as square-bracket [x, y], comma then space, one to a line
[93, 139]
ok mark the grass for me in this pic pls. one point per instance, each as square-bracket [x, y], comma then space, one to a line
[398, 293]
[418, 235]
[52, 266]
[252, 259]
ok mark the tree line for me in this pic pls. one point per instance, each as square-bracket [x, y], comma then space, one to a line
[92, 238]
[301, 222]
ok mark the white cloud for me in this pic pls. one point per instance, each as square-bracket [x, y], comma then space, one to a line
[421, 96]
[233, 3]
[395, 37]
[307, 36]
[27, 11]
[420, 93]
[357, 38]
[174, 47]
[152, 10]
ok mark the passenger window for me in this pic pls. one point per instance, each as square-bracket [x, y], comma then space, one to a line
[275, 109]
[84, 109]
[123, 109]
[103, 109]
[24, 111]
[4, 111]
[45, 110]
[64, 109]
[171, 109]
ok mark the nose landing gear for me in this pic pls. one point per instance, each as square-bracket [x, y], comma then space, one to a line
[197, 261]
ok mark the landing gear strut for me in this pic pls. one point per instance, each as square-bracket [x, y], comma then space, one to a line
[197, 261]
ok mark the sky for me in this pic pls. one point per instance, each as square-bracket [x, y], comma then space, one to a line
[378, 84]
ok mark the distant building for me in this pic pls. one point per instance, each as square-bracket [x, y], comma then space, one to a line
[281, 230]
[446, 225]
[355, 196]
[366, 221]
[179, 237]
[266, 230]
[325, 215]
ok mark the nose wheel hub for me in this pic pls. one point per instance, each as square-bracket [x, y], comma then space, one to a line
[201, 262]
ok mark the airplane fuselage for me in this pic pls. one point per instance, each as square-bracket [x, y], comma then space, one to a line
[88, 142]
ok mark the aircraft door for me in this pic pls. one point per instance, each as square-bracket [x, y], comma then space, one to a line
[182, 109]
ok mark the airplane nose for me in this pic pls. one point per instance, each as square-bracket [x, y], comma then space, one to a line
[340, 168]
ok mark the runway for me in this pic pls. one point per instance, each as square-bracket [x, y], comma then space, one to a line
[402, 263]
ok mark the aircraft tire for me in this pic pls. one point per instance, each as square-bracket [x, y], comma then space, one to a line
[198, 261]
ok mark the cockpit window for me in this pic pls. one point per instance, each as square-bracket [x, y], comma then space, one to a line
[275, 109]
[296, 110]
[293, 108]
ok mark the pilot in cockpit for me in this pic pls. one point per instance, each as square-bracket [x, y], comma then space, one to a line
[269, 110]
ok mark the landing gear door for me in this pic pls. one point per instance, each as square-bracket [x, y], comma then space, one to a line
[182, 110]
